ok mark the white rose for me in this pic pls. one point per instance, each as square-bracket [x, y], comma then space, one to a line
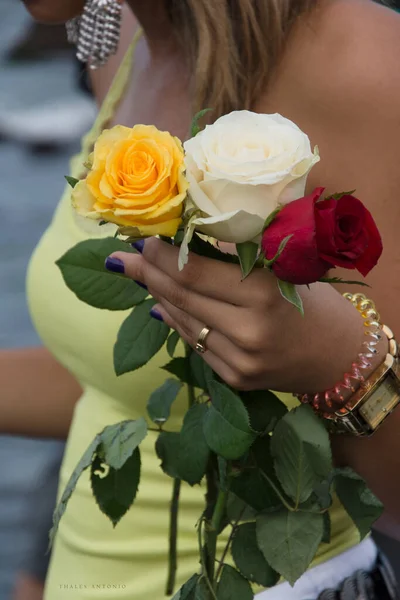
[241, 168]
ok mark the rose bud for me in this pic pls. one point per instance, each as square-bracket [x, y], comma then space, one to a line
[325, 233]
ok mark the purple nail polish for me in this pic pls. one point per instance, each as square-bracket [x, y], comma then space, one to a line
[115, 265]
[156, 315]
[139, 245]
[140, 284]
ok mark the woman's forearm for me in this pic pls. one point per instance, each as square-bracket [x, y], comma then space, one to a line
[377, 460]
[37, 394]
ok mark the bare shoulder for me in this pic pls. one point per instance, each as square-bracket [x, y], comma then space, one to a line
[340, 82]
[103, 78]
[356, 54]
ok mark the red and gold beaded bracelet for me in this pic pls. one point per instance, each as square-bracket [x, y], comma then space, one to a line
[372, 399]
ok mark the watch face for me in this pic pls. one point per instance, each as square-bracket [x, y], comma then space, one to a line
[382, 401]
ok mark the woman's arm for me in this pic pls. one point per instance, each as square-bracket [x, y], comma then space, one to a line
[358, 114]
[348, 103]
[37, 394]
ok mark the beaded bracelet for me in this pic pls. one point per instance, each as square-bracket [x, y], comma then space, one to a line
[332, 400]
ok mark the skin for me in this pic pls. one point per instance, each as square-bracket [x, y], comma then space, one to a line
[34, 412]
[54, 11]
[341, 85]
[31, 380]
[28, 588]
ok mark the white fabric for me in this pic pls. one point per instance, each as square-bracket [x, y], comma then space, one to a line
[328, 575]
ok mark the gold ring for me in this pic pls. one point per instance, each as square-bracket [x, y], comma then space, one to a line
[201, 340]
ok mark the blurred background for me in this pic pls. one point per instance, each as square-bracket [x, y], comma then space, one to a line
[45, 107]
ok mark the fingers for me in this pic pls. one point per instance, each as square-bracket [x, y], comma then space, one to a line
[218, 364]
[212, 278]
[216, 342]
[239, 335]
[216, 314]
[238, 368]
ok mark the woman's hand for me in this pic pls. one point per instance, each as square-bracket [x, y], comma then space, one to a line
[257, 339]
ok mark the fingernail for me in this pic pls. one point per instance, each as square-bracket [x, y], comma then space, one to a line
[139, 245]
[156, 315]
[115, 265]
[140, 284]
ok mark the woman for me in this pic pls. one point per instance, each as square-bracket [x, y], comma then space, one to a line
[330, 66]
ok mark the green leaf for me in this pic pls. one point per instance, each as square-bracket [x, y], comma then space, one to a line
[326, 537]
[322, 494]
[248, 253]
[193, 371]
[185, 593]
[72, 181]
[202, 373]
[251, 486]
[281, 248]
[139, 339]
[226, 426]
[161, 400]
[271, 217]
[249, 558]
[172, 343]
[179, 236]
[180, 367]
[289, 541]
[336, 280]
[264, 409]
[255, 491]
[83, 464]
[237, 510]
[194, 127]
[185, 455]
[119, 441]
[202, 591]
[115, 490]
[83, 270]
[362, 505]
[302, 453]
[223, 474]
[194, 451]
[203, 248]
[261, 456]
[233, 586]
[168, 447]
[290, 293]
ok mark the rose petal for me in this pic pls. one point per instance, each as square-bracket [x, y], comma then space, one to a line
[247, 162]
[358, 245]
[83, 201]
[300, 262]
[236, 227]
[374, 250]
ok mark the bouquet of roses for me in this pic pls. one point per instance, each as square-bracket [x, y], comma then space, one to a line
[269, 472]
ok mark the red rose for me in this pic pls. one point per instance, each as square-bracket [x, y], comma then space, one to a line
[325, 234]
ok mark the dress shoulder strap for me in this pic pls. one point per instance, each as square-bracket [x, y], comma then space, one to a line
[113, 97]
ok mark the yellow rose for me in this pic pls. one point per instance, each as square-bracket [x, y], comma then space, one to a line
[137, 179]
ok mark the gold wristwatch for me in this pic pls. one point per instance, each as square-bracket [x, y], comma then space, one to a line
[376, 398]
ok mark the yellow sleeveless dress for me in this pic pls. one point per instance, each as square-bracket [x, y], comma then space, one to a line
[91, 559]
